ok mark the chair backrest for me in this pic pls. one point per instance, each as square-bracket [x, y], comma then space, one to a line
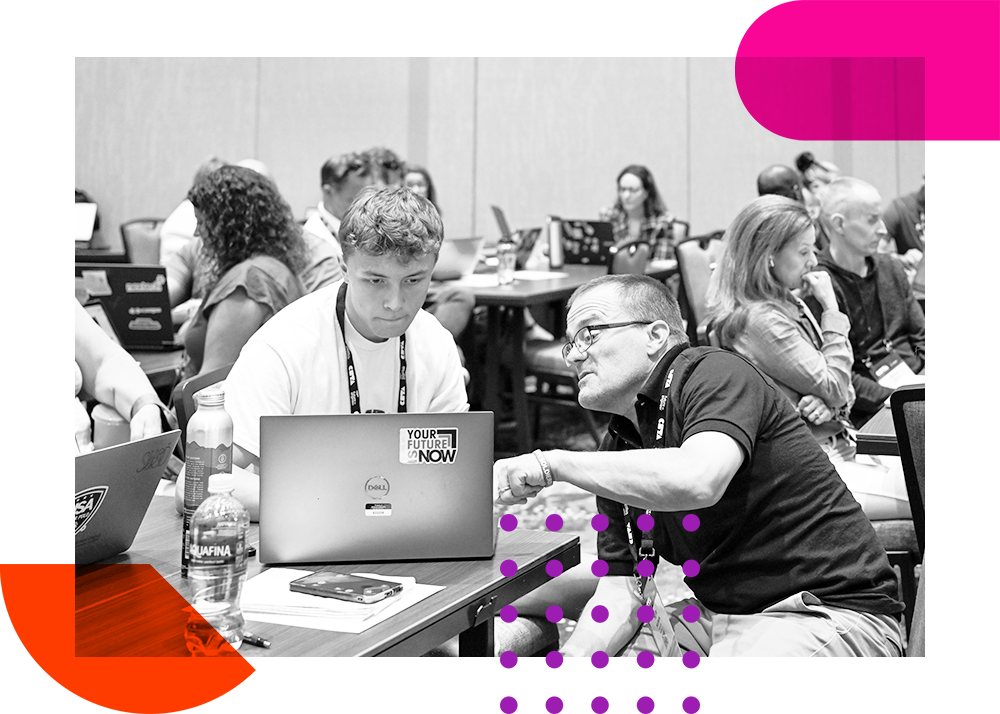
[630, 259]
[183, 397]
[142, 240]
[696, 258]
[708, 336]
[907, 405]
[681, 229]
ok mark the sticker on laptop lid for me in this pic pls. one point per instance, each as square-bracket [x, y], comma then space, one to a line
[428, 445]
[95, 282]
[378, 509]
[87, 503]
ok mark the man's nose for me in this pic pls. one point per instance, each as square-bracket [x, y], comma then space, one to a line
[393, 298]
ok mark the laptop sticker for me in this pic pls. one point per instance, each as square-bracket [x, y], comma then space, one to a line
[87, 503]
[428, 446]
[96, 282]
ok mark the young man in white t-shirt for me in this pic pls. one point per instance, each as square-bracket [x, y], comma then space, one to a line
[298, 363]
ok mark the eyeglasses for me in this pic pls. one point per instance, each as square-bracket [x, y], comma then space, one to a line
[586, 336]
[629, 189]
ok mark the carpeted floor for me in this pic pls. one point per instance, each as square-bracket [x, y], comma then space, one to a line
[564, 428]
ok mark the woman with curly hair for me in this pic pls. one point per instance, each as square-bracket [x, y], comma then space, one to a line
[640, 214]
[253, 251]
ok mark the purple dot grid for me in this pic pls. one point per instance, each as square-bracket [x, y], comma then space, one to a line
[645, 705]
[508, 613]
[508, 659]
[691, 613]
[554, 568]
[599, 568]
[691, 522]
[599, 705]
[691, 705]
[554, 522]
[508, 522]
[508, 705]
[691, 659]
[553, 705]
[645, 568]
[599, 659]
[645, 659]
[646, 613]
[508, 568]
[691, 568]
[645, 522]
[599, 522]
[553, 613]
[554, 659]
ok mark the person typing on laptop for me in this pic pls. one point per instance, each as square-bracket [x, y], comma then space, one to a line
[361, 345]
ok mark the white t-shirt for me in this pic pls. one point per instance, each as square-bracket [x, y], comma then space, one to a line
[296, 364]
[325, 225]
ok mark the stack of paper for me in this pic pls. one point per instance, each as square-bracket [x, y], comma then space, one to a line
[267, 598]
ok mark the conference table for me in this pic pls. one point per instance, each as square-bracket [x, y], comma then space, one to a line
[474, 590]
[505, 306]
[878, 435]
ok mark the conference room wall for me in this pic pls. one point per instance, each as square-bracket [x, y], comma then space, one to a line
[535, 136]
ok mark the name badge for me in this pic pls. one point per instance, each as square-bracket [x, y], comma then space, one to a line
[659, 626]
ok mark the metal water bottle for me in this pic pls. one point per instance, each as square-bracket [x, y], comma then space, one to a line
[554, 226]
[209, 450]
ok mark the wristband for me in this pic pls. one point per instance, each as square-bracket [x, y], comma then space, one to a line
[546, 470]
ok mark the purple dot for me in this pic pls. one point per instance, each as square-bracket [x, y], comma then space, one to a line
[691, 613]
[508, 613]
[554, 522]
[691, 659]
[599, 613]
[554, 568]
[645, 522]
[645, 568]
[645, 613]
[553, 705]
[691, 568]
[508, 705]
[508, 659]
[645, 659]
[553, 613]
[599, 522]
[554, 659]
[599, 568]
[691, 705]
[508, 568]
[599, 659]
[599, 705]
[691, 522]
[645, 705]
[508, 522]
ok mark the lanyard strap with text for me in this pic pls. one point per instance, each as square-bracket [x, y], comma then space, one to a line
[352, 375]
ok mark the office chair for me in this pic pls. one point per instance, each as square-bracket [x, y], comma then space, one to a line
[142, 240]
[183, 398]
[696, 257]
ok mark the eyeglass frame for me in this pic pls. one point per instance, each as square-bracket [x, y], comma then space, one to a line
[589, 329]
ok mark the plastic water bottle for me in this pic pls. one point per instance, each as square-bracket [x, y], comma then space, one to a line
[554, 227]
[217, 568]
[209, 450]
[506, 260]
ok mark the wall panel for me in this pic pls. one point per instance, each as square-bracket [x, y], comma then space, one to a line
[552, 134]
[143, 126]
[450, 141]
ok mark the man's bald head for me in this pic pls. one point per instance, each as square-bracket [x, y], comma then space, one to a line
[780, 181]
[851, 214]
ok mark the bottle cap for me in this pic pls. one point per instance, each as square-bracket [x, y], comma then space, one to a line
[221, 482]
[212, 396]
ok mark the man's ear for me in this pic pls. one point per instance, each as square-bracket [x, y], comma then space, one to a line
[837, 221]
[658, 334]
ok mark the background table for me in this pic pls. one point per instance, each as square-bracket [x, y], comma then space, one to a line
[473, 591]
[878, 435]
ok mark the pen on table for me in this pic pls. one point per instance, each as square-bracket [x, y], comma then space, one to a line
[252, 639]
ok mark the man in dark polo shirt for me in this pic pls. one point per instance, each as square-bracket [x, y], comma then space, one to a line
[720, 475]
[887, 323]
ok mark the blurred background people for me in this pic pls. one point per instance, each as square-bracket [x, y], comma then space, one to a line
[780, 180]
[816, 175]
[639, 213]
[253, 251]
[177, 229]
[418, 179]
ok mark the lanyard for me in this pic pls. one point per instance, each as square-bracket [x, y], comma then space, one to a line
[646, 550]
[352, 375]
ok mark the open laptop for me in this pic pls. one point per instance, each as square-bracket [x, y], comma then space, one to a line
[525, 237]
[458, 257]
[84, 217]
[587, 242]
[136, 301]
[114, 487]
[374, 487]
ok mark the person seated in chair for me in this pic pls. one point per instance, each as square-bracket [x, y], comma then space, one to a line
[708, 465]
[369, 324]
[780, 180]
